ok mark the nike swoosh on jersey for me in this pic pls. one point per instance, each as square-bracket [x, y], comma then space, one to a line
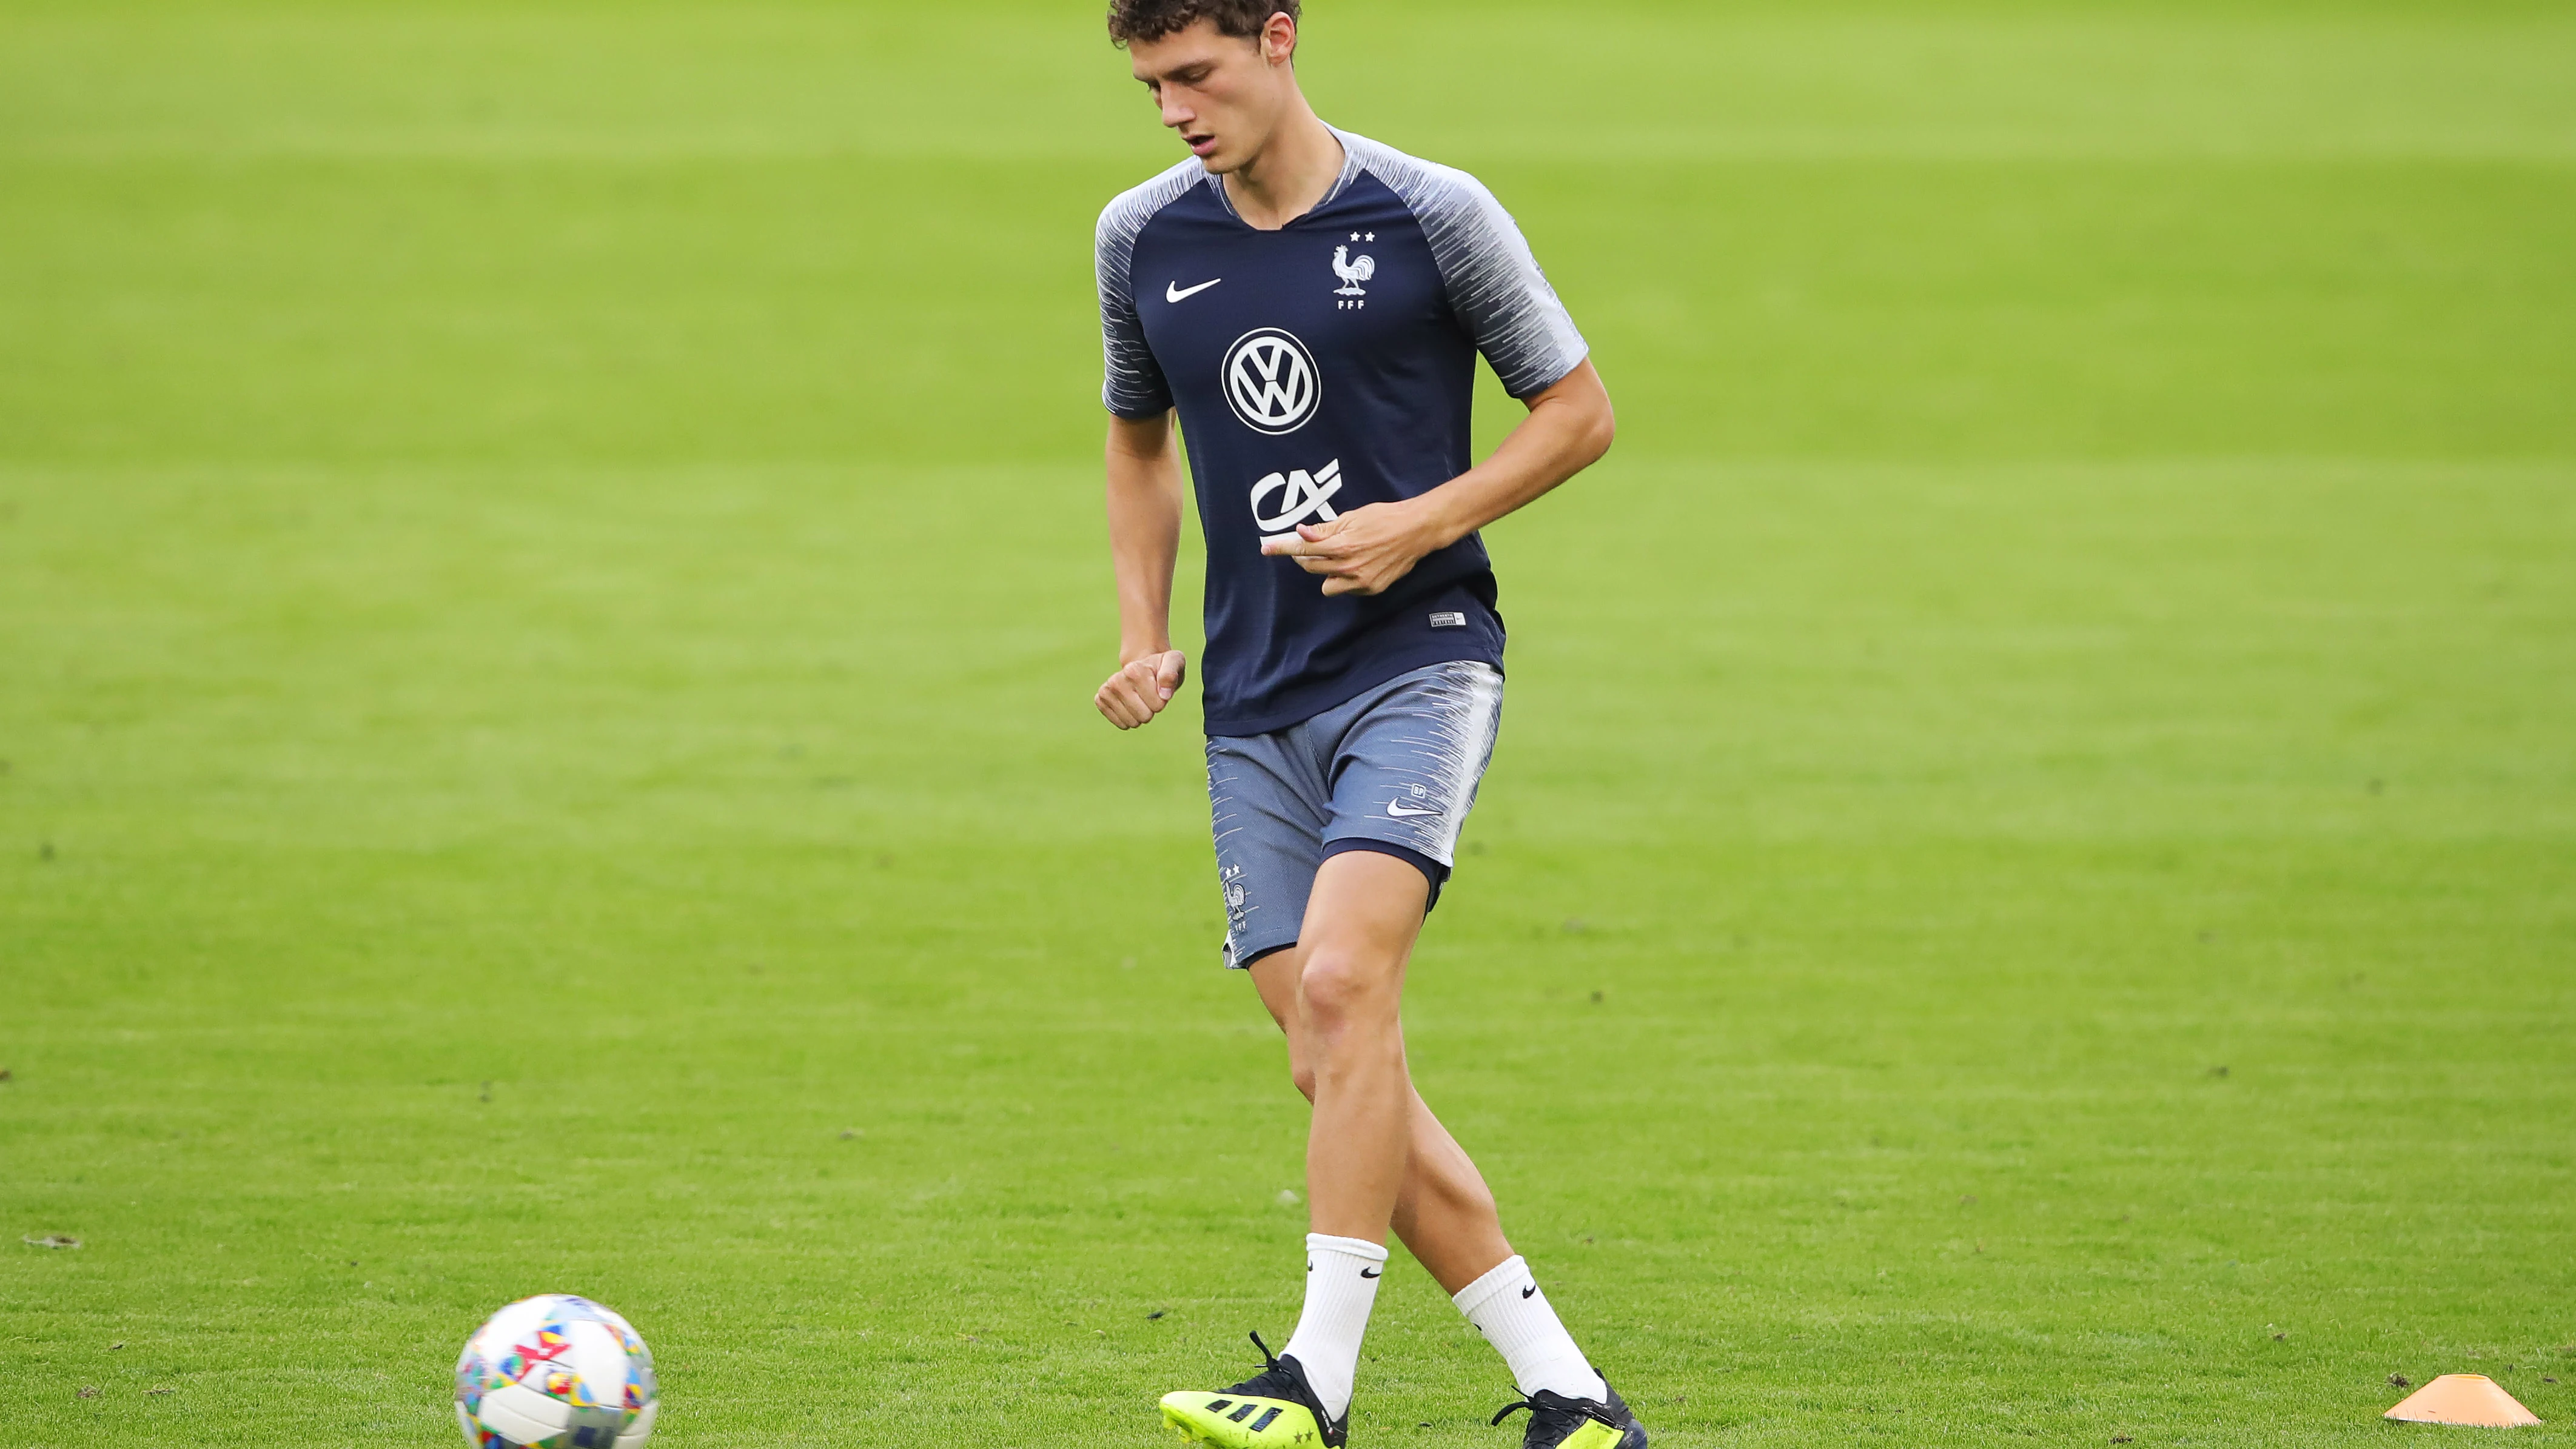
[1400, 813]
[1173, 291]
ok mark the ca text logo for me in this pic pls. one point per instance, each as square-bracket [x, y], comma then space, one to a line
[1303, 496]
[1270, 379]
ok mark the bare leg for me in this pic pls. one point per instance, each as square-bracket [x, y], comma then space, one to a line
[1361, 921]
[1441, 1208]
[1446, 1215]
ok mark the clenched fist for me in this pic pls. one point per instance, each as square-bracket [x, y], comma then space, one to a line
[1138, 691]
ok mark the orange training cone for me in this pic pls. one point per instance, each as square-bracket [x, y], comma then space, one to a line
[2463, 1399]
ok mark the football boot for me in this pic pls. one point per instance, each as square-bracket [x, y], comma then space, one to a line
[1273, 1409]
[1557, 1422]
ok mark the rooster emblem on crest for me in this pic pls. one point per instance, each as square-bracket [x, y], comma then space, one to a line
[1352, 272]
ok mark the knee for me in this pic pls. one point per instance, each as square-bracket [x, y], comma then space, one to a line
[1340, 991]
[1303, 1074]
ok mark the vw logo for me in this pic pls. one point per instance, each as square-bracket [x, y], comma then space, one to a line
[1270, 378]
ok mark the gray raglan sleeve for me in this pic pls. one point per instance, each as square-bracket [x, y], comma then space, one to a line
[1132, 383]
[1495, 285]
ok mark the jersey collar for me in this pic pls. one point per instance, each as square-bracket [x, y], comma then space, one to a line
[1349, 173]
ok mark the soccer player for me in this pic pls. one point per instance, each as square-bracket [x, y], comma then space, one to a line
[1311, 305]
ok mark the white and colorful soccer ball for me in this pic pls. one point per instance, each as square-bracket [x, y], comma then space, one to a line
[556, 1372]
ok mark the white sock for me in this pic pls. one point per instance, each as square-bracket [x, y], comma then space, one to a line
[1341, 1288]
[1506, 1307]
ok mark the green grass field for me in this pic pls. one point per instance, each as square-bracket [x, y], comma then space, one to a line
[551, 578]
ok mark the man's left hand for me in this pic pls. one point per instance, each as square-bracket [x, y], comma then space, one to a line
[1362, 552]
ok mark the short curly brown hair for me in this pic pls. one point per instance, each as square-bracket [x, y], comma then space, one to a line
[1154, 19]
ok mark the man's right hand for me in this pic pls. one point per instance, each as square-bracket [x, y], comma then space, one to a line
[1138, 692]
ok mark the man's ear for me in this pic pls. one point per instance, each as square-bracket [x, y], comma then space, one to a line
[1279, 39]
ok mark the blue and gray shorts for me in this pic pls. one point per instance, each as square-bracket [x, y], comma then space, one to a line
[1393, 771]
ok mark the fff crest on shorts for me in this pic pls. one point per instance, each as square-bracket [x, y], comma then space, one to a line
[1271, 381]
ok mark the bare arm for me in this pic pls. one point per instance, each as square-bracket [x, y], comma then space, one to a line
[1144, 500]
[1366, 550]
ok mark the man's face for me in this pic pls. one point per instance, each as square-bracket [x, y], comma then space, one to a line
[1222, 93]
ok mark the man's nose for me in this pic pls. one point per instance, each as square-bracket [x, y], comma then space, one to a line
[1176, 114]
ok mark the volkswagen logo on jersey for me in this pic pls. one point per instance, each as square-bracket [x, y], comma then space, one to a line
[1270, 379]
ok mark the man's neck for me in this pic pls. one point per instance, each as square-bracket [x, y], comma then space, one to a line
[1292, 173]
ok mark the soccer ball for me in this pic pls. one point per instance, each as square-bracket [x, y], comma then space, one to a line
[556, 1372]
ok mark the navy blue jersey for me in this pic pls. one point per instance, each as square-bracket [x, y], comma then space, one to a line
[1316, 368]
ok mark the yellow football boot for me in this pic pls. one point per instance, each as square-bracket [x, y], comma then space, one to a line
[1557, 1422]
[1273, 1409]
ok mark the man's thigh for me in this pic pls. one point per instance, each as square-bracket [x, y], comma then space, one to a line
[1364, 914]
